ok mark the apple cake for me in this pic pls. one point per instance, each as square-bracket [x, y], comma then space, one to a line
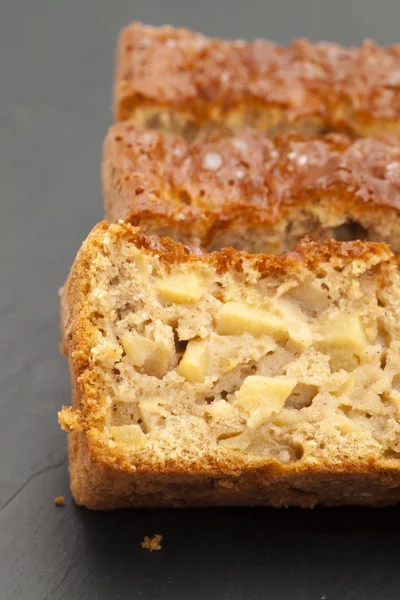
[229, 378]
[182, 81]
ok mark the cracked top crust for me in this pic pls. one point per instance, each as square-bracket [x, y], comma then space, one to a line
[352, 89]
[156, 180]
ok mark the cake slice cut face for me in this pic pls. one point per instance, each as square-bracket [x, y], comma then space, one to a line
[181, 81]
[232, 378]
[251, 193]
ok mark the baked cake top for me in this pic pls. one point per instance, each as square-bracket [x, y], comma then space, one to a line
[247, 176]
[186, 70]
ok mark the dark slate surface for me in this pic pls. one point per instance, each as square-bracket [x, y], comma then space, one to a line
[56, 61]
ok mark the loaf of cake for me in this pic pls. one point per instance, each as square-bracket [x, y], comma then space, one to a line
[229, 378]
[250, 192]
[182, 81]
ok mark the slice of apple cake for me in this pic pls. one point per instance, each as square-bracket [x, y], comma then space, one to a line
[230, 378]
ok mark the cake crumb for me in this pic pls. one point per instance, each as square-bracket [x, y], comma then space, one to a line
[59, 501]
[152, 543]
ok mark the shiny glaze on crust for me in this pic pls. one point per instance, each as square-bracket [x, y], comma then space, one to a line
[247, 178]
[199, 76]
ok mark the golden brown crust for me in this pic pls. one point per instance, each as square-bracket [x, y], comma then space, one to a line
[307, 254]
[102, 486]
[104, 477]
[159, 181]
[348, 89]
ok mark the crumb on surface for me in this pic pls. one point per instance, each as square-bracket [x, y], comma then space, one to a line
[59, 501]
[152, 543]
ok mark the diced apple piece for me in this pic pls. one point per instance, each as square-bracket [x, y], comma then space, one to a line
[238, 442]
[298, 329]
[193, 365]
[236, 318]
[153, 355]
[151, 412]
[138, 348]
[181, 289]
[128, 435]
[300, 332]
[343, 337]
[350, 427]
[342, 329]
[220, 409]
[261, 396]
[157, 364]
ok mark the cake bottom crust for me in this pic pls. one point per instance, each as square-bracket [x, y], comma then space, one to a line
[101, 486]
